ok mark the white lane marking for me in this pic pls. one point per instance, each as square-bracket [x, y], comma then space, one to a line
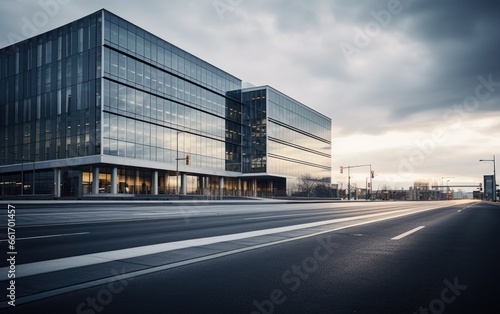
[162, 214]
[277, 216]
[186, 213]
[466, 207]
[48, 236]
[58, 213]
[399, 237]
[41, 267]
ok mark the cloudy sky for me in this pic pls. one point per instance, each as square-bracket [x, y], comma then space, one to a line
[412, 86]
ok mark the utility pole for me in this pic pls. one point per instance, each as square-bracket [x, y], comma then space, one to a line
[34, 159]
[349, 177]
[177, 164]
[22, 176]
[348, 183]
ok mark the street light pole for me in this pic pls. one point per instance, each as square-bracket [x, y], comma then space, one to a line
[177, 164]
[34, 159]
[349, 183]
[371, 183]
[448, 188]
[3, 182]
[22, 176]
[33, 189]
[349, 177]
[366, 186]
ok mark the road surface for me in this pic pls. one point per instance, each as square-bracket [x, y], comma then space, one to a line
[251, 257]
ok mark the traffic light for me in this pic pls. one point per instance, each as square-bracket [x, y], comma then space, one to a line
[187, 160]
[341, 169]
[373, 174]
[369, 185]
[480, 186]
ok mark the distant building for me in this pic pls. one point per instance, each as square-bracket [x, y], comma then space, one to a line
[101, 106]
[477, 195]
[422, 191]
[489, 188]
[459, 195]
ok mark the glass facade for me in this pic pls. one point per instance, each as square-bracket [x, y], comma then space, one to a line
[255, 131]
[103, 106]
[285, 138]
[299, 139]
[50, 89]
[153, 90]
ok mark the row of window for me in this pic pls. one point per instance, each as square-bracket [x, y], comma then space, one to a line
[51, 149]
[128, 37]
[287, 135]
[63, 42]
[68, 72]
[297, 108]
[142, 133]
[292, 119]
[139, 181]
[310, 123]
[48, 139]
[294, 169]
[144, 152]
[137, 104]
[298, 154]
[151, 79]
[64, 102]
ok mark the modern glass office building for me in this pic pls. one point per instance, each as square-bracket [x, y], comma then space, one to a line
[102, 107]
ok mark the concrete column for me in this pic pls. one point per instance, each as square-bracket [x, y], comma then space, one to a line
[183, 184]
[95, 180]
[114, 180]
[254, 187]
[166, 183]
[154, 184]
[221, 187]
[239, 187]
[272, 188]
[137, 184]
[206, 186]
[57, 182]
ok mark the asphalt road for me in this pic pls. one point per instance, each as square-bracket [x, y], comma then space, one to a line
[69, 231]
[442, 260]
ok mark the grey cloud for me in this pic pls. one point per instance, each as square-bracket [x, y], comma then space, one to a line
[460, 37]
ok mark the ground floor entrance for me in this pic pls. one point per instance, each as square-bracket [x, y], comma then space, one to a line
[105, 179]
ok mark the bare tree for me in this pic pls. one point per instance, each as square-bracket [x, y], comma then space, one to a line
[306, 185]
[386, 187]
